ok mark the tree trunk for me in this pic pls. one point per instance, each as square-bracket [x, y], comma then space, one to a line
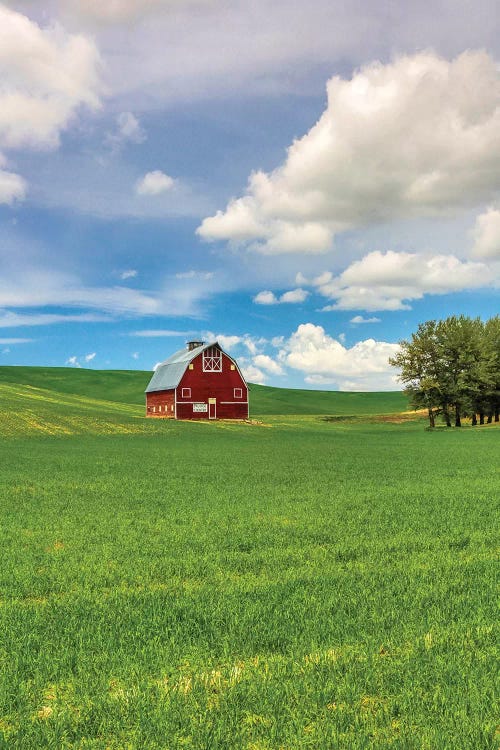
[490, 418]
[474, 419]
[446, 415]
[481, 417]
[432, 421]
[458, 422]
[497, 414]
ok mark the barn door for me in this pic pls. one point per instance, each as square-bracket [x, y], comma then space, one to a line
[212, 408]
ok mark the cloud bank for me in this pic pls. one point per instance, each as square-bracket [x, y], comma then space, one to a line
[389, 281]
[46, 75]
[417, 137]
[326, 360]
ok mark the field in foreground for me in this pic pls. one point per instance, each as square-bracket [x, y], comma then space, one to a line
[293, 583]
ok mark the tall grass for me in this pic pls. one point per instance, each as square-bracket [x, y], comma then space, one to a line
[294, 583]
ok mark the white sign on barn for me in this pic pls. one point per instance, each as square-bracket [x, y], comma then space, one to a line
[200, 407]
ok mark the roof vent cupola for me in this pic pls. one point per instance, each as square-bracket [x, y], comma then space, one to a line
[194, 344]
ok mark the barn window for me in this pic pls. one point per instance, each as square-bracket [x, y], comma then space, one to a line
[238, 393]
[212, 359]
[186, 393]
[154, 409]
[233, 367]
[191, 366]
[172, 408]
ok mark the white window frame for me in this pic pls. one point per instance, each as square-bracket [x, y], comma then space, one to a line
[238, 393]
[186, 393]
[212, 359]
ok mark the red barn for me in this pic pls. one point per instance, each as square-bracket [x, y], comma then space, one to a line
[200, 382]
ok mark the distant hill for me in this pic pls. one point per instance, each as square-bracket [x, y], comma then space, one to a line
[127, 387]
[123, 386]
[265, 399]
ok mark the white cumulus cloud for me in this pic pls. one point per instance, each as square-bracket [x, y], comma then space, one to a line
[154, 183]
[325, 360]
[265, 362]
[292, 297]
[359, 319]
[389, 281]
[252, 374]
[265, 298]
[417, 137]
[227, 342]
[90, 357]
[486, 234]
[46, 75]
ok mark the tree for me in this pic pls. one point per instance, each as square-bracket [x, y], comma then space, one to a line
[418, 361]
[453, 363]
[491, 357]
[459, 342]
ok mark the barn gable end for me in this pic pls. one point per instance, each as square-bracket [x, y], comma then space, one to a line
[200, 382]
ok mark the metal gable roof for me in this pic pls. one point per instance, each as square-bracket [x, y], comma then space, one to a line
[168, 375]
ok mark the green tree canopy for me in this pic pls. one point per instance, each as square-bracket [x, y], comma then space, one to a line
[453, 364]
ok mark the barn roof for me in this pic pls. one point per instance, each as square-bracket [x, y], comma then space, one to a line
[169, 373]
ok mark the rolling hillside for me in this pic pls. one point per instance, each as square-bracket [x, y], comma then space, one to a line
[127, 387]
[265, 399]
[124, 386]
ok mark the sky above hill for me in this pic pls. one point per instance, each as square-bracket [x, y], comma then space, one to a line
[305, 182]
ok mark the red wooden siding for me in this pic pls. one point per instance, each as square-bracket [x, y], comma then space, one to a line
[161, 404]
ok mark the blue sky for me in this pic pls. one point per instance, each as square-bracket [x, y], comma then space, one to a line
[305, 182]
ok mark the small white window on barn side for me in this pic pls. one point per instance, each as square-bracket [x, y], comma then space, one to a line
[186, 393]
[238, 393]
[212, 359]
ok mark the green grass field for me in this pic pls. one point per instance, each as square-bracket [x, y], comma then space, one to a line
[295, 582]
[127, 386]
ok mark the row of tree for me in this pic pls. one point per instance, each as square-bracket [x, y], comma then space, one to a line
[452, 367]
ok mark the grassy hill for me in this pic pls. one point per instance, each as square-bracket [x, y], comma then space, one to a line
[265, 399]
[127, 387]
[124, 386]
